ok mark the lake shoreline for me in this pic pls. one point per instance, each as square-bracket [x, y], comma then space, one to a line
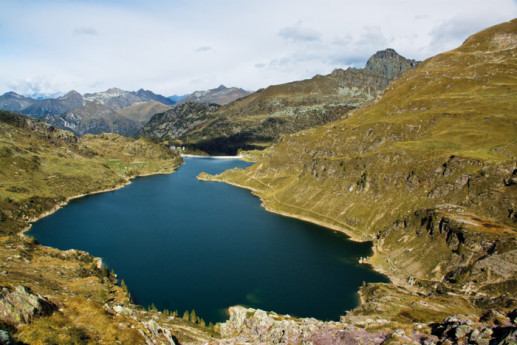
[366, 261]
[127, 181]
[360, 251]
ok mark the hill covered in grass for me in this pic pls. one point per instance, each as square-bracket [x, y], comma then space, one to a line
[428, 173]
[48, 296]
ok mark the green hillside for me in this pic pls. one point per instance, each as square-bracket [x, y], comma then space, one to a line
[428, 173]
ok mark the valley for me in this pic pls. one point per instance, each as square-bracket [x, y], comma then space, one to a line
[419, 158]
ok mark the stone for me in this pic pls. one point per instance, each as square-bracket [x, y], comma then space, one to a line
[5, 338]
[495, 317]
[461, 331]
[20, 305]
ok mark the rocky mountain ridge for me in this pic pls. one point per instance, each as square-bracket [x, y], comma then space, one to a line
[113, 99]
[221, 95]
[112, 111]
[259, 119]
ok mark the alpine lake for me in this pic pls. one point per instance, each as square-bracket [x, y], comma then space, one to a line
[184, 244]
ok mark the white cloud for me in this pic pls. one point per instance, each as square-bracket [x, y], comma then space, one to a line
[299, 33]
[85, 30]
[203, 49]
[186, 45]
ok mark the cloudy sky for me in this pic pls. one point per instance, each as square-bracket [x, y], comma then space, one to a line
[179, 46]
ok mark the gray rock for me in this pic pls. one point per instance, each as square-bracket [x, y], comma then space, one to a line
[20, 305]
[5, 338]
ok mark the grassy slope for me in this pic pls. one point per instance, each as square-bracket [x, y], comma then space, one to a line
[142, 112]
[40, 168]
[43, 162]
[443, 136]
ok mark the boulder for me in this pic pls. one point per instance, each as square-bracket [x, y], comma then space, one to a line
[20, 305]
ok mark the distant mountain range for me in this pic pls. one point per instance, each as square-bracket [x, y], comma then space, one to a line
[114, 110]
[260, 118]
[113, 98]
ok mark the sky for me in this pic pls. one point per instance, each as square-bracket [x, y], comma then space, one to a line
[176, 47]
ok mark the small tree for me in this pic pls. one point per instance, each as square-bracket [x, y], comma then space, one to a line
[124, 286]
[103, 295]
[186, 315]
[153, 307]
[193, 317]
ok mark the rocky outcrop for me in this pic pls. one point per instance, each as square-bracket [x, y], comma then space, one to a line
[20, 305]
[389, 64]
[5, 338]
[492, 328]
[247, 325]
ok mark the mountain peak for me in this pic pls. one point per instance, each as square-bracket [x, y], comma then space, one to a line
[71, 93]
[115, 91]
[389, 63]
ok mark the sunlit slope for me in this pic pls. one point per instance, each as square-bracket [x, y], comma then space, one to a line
[41, 166]
[442, 136]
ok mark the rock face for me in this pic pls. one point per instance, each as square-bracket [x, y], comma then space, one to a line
[261, 118]
[175, 122]
[19, 305]
[115, 98]
[221, 95]
[389, 64]
[93, 118]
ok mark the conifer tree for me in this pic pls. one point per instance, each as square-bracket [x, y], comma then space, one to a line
[124, 286]
[193, 317]
[186, 315]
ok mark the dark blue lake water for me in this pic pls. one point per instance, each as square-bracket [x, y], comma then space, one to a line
[185, 244]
